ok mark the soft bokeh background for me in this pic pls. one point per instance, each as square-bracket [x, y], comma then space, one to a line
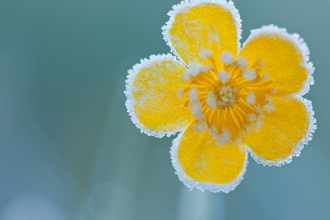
[68, 149]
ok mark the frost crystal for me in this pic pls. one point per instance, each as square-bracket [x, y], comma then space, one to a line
[249, 74]
[223, 76]
[250, 98]
[242, 62]
[194, 68]
[211, 99]
[205, 53]
[227, 57]
[195, 105]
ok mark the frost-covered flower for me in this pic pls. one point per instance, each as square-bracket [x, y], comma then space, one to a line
[224, 99]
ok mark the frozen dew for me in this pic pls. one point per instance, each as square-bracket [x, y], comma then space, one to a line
[250, 98]
[194, 68]
[238, 141]
[193, 95]
[248, 128]
[180, 93]
[195, 105]
[200, 126]
[223, 138]
[268, 100]
[213, 36]
[190, 72]
[186, 75]
[269, 108]
[204, 68]
[213, 130]
[249, 74]
[241, 146]
[258, 123]
[227, 57]
[196, 109]
[223, 76]
[205, 53]
[211, 100]
[242, 62]
[265, 76]
[252, 117]
[258, 109]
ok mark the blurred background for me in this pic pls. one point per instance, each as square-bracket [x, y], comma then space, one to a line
[68, 149]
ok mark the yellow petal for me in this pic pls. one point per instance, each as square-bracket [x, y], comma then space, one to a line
[283, 132]
[284, 57]
[154, 93]
[201, 163]
[197, 28]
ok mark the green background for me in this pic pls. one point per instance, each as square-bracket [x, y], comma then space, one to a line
[68, 149]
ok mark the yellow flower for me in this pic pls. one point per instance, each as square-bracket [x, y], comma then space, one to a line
[224, 99]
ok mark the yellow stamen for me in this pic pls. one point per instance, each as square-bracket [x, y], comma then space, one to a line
[229, 100]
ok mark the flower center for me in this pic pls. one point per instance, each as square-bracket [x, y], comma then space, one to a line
[222, 95]
[228, 95]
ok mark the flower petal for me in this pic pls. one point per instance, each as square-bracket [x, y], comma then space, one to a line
[201, 163]
[285, 59]
[283, 132]
[154, 93]
[198, 27]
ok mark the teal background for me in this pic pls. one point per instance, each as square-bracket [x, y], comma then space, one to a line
[68, 149]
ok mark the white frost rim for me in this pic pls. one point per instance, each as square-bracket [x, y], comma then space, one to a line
[191, 183]
[300, 145]
[300, 45]
[303, 48]
[186, 5]
[130, 100]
